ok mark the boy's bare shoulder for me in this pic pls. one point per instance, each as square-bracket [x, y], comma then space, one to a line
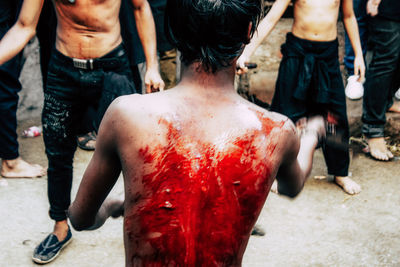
[275, 116]
[138, 106]
[287, 127]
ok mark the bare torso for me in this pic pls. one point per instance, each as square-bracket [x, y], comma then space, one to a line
[316, 20]
[87, 28]
[201, 178]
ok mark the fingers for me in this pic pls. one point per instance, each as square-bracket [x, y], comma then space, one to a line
[372, 9]
[241, 65]
[241, 71]
[153, 82]
[161, 86]
[155, 86]
[362, 74]
[359, 70]
[148, 87]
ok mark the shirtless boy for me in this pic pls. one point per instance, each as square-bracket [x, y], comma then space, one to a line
[310, 59]
[88, 61]
[198, 155]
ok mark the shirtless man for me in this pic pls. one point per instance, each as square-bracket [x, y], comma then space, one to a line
[310, 58]
[196, 156]
[88, 66]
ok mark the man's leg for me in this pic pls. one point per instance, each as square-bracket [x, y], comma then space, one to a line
[379, 85]
[9, 88]
[337, 156]
[60, 147]
[13, 166]
[61, 112]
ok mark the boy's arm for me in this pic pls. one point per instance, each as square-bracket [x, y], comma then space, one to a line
[350, 24]
[297, 161]
[87, 212]
[264, 28]
[147, 34]
[22, 31]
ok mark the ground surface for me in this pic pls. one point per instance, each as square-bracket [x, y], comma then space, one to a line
[323, 226]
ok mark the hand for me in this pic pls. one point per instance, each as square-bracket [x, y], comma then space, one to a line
[153, 81]
[241, 64]
[372, 7]
[359, 68]
[316, 125]
[110, 208]
[114, 207]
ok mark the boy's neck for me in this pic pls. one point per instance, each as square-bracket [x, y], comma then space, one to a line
[194, 77]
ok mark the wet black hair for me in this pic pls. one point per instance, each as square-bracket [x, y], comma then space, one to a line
[211, 32]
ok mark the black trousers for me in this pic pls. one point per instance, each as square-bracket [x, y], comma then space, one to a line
[383, 75]
[134, 51]
[284, 102]
[68, 94]
[9, 88]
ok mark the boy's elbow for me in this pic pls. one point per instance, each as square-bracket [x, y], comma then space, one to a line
[79, 223]
[348, 15]
[289, 190]
[27, 29]
[289, 193]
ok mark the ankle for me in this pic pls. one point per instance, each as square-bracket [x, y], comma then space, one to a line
[61, 226]
[10, 163]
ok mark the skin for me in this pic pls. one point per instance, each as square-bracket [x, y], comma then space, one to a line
[192, 158]
[86, 29]
[19, 168]
[377, 146]
[314, 20]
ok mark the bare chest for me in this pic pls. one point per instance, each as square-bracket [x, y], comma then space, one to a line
[91, 15]
[79, 2]
[317, 4]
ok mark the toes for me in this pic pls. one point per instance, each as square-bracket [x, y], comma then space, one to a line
[379, 155]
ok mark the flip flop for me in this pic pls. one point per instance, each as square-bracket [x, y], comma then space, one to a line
[86, 138]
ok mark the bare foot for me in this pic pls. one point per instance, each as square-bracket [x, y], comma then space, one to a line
[348, 185]
[274, 187]
[19, 168]
[61, 230]
[395, 107]
[378, 149]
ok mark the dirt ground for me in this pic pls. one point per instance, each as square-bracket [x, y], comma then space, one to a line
[323, 226]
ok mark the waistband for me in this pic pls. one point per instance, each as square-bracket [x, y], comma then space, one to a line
[308, 43]
[109, 60]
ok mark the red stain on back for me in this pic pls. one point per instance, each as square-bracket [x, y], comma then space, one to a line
[200, 200]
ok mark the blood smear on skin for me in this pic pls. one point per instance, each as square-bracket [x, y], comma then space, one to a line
[201, 200]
